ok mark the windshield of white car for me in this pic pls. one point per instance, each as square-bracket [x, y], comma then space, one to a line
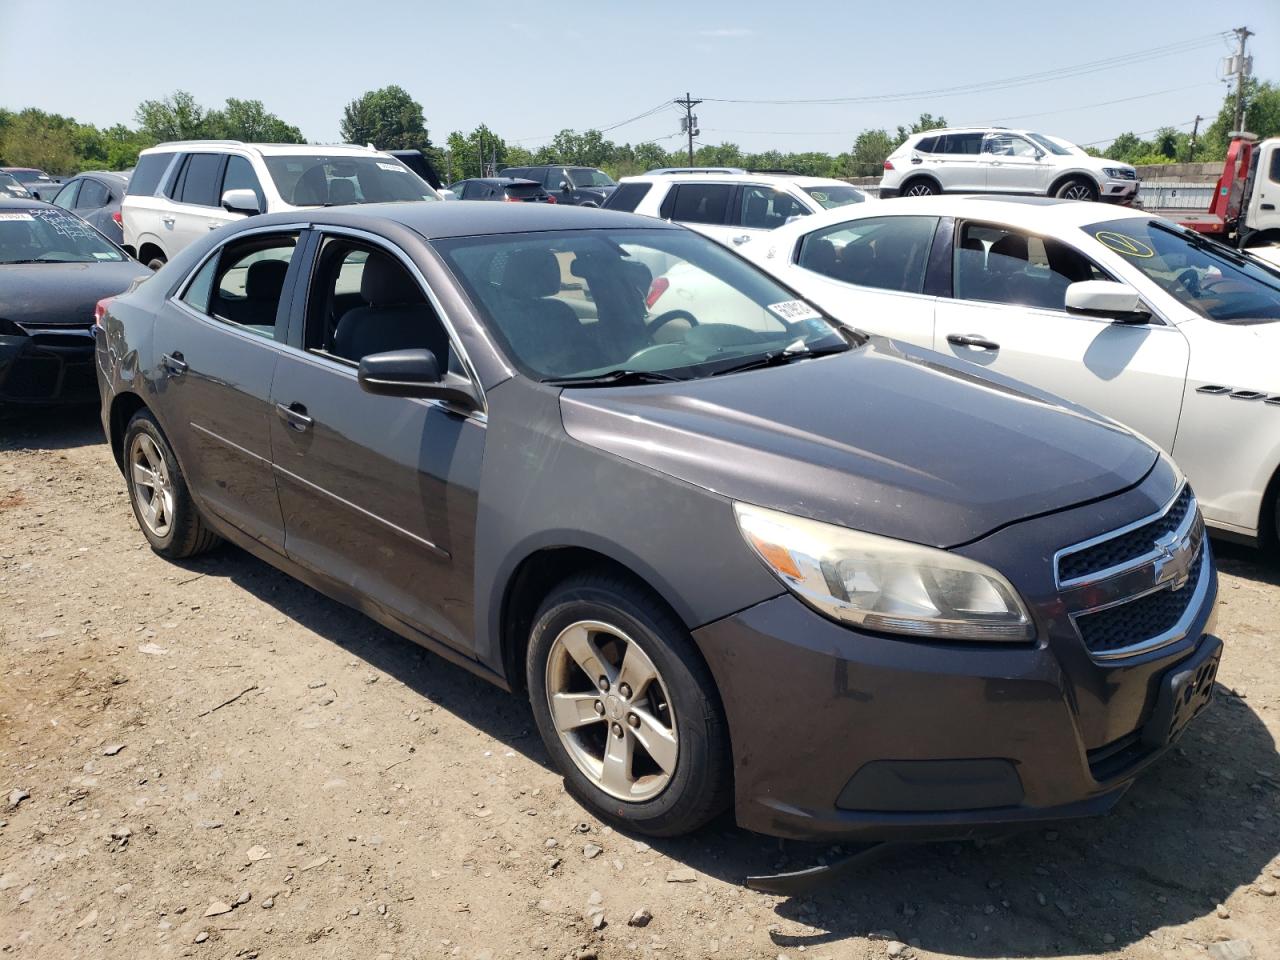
[320, 180]
[608, 307]
[1217, 282]
[51, 235]
[835, 196]
[588, 177]
[1054, 148]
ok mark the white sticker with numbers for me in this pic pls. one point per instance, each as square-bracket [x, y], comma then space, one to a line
[795, 310]
[393, 167]
[11, 215]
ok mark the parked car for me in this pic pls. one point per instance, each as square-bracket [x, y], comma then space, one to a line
[580, 186]
[416, 161]
[732, 207]
[37, 183]
[96, 197]
[11, 186]
[180, 191]
[996, 160]
[501, 188]
[54, 268]
[740, 556]
[1142, 320]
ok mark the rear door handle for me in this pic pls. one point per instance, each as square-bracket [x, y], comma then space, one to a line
[295, 415]
[1268, 206]
[972, 340]
[167, 221]
[741, 239]
[174, 363]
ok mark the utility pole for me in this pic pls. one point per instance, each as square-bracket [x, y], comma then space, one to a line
[1242, 66]
[1195, 130]
[689, 122]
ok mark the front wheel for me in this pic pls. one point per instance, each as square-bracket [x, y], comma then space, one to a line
[627, 709]
[1077, 189]
[158, 492]
[156, 262]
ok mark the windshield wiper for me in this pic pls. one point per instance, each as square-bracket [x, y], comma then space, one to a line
[777, 358]
[614, 378]
[1200, 242]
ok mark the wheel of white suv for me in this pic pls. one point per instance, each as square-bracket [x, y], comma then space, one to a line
[1077, 188]
[626, 707]
[920, 187]
[156, 262]
[158, 492]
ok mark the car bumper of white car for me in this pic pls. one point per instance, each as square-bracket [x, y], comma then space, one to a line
[1118, 191]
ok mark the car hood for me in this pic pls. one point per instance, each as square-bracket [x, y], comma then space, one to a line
[901, 443]
[1096, 164]
[61, 294]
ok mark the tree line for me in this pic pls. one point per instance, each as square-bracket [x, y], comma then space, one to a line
[390, 119]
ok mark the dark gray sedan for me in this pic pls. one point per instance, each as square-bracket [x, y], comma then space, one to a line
[732, 554]
[95, 197]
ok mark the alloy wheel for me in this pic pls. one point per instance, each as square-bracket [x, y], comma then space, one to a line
[919, 190]
[152, 486]
[612, 711]
[1077, 191]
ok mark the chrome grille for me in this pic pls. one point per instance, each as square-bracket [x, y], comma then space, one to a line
[1122, 548]
[1152, 615]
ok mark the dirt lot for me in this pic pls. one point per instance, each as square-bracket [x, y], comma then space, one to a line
[357, 797]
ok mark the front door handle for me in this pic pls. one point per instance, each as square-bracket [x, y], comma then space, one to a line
[972, 340]
[174, 364]
[741, 239]
[295, 415]
[167, 221]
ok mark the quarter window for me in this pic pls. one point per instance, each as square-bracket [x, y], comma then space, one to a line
[147, 174]
[242, 285]
[887, 253]
[628, 196]
[999, 265]
[928, 145]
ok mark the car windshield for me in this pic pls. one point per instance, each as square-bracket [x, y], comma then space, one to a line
[1054, 148]
[649, 304]
[9, 182]
[1215, 281]
[587, 177]
[833, 196]
[51, 235]
[33, 176]
[318, 180]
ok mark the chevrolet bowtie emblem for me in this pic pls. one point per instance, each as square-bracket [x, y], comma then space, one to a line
[1174, 559]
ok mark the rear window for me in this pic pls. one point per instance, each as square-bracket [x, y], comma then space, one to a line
[628, 196]
[147, 174]
[522, 190]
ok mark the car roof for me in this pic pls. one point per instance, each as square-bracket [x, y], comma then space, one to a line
[273, 149]
[497, 180]
[775, 179]
[113, 174]
[1029, 212]
[24, 203]
[438, 221]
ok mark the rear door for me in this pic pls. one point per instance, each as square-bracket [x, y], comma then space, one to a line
[1008, 314]
[218, 340]
[958, 164]
[196, 200]
[378, 493]
[703, 206]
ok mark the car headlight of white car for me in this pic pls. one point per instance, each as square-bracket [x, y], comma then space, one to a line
[884, 584]
[1117, 173]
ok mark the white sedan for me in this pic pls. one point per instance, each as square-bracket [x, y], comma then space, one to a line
[1121, 311]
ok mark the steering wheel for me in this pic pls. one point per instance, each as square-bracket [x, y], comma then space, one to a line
[662, 319]
[1190, 280]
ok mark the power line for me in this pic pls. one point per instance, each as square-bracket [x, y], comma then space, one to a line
[607, 127]
[1138, 133]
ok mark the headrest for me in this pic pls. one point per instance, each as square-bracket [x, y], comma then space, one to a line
[1012, 245]
[386, 283]
[342, 191]
[265, 279]
[530, 274]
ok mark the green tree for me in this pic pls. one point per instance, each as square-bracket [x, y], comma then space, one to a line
[389, 118]
[33, 138]
[249, 120]
[870, 150]
[471, 154]
[926, 121]
[1261, 116]
[175, 117]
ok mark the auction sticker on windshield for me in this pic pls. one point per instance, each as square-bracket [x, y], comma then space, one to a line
[795, 310]
[394, 168]
[16, 216]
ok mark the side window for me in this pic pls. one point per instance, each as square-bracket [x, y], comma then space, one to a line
[1274, 172]
[928, 145]
[66, 198]
[628, 196]
[363, 300]
[554, 177]
[1007, 145]
[243, 284]
[240, 176]
[147, 174]
[999, 265]
[174, 189]
[965, 144]
[887, 253]
[765, 208]
[701, 202]
[93, 194]
[200, 180]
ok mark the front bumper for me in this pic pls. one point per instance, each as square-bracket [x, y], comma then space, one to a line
[1113, 190]
[48, 366]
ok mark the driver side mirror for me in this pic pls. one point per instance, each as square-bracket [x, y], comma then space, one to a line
[1106, 299]
[241, 201]
[564, 185]
[414, 373]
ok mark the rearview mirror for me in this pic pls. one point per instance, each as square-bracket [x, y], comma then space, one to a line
[1106, 299]
[241, 200]
[414, 373]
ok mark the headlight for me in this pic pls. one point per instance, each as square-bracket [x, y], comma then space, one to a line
[1116, 173]
[884, 584]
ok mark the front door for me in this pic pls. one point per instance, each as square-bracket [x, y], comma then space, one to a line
[1014, 164]
[759, 209]
[377, 492]
[1007, 314]
[216, 350]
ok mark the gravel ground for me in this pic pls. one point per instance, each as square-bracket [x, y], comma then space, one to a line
[211, 760]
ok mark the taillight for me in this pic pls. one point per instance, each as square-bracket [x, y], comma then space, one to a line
[888, 164]
[118, 219]
[100, 310]
[551, 199]
[510, 199]
[656, 289]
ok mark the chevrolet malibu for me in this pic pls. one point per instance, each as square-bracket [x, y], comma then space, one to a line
[732, 554]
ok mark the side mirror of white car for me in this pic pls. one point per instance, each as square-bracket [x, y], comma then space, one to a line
[447, 194]
[1106, 299]
[241, 200]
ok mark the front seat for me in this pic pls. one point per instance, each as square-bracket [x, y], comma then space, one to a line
[541, 329]
[263, 282]
[397, 316]
[341, 192]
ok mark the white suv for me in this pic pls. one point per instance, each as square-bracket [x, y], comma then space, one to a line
[730, 205]
[180, 191]
[996, 160]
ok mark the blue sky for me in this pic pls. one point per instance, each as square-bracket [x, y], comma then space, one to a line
[592, 63]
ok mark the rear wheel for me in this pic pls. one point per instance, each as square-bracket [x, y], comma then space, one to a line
[920, 188]
[156, 262]
[626, 708]
[158, 492]
[1077, 188]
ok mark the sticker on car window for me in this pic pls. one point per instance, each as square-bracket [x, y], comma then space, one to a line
[393, 167]
[104, 255]
[7, 215]
[795, 310]
[1123, 244]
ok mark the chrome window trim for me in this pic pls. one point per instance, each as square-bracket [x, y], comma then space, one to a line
[1121, 568]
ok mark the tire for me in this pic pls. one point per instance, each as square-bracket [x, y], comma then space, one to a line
[602, 616]
[165, 512]
[920, 187]
[156, 262]
[1077, 188]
